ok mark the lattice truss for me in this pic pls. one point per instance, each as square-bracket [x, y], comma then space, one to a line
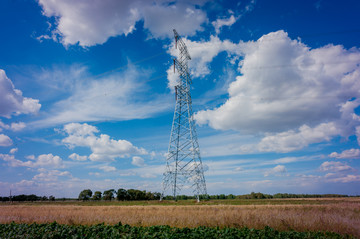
[183, 161]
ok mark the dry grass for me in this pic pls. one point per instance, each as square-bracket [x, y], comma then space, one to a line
[341, 217]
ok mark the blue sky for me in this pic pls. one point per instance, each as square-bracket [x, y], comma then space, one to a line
[87, 99]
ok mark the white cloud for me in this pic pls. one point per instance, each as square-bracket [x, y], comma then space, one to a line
[183, 16]
[50, 175]
[48, 160]
[5, 141]
[357, 133]
[77, 129]
[44, 160]
[138, 161]
[116, 96]
[18, 126]
[219, 23]
[12, 102]
[292, 140]
[287, 160]
[103, 147]
[76, 157]
[277, 170]
[285, 84]
[31, 157]
[3, 126]
[13, 150]
[202, 53]
[91, 24]
[334, 167]
[289, 89]
[108, 168]
[346, 154]
[345, 179]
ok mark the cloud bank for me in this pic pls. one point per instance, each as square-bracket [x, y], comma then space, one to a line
[293, 94]
[91, 24]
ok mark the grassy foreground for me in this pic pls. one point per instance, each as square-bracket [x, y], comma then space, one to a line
[333, 215]
[55, 230]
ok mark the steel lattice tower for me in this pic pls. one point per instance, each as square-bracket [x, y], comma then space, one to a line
[183, 161]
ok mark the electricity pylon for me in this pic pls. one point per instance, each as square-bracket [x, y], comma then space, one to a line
[183, 161]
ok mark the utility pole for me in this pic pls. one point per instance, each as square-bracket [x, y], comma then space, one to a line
[183, 161]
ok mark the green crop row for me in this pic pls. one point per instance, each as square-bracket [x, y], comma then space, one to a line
[55, 230]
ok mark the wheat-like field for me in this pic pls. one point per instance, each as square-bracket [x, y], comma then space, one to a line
[340, 217]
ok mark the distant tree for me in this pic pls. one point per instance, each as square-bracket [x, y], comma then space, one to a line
[135, 194]
[157, 195]
[85, 194]
[97, 195]
[149, 196]
[122, 194]
[230, 196]
[51, 198]
[222, 196]
[108, 194]
[32, 198]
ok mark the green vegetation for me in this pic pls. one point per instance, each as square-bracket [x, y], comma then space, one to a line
[138, 195]
[29, 198]
[55, 230]
[85, 195]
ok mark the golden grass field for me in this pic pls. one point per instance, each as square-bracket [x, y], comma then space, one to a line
[336, 215]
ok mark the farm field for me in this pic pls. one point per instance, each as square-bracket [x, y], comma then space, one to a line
[339, 215]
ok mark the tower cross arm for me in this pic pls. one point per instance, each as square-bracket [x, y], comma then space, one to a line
[180, 43]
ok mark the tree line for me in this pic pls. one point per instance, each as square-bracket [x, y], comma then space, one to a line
[28, 198]
[134, 195]
[121, 195]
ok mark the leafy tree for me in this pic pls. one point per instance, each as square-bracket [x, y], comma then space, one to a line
[122, 194]
[230, 196]
[97, 195]
[108, 194]
[85, 195]
[157, 195]
[51, 198]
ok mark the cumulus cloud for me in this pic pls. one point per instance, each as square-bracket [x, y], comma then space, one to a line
[91, 24]
[76, 157]
[103, 147]
[277, 170]
[294, 140]
[18, 126]
[5, 141]
[44, 160]
[346, 154]
[203, 52]
[138, 161]
[290, 91]
[331, 166]
[219, 23]
[12, 102]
